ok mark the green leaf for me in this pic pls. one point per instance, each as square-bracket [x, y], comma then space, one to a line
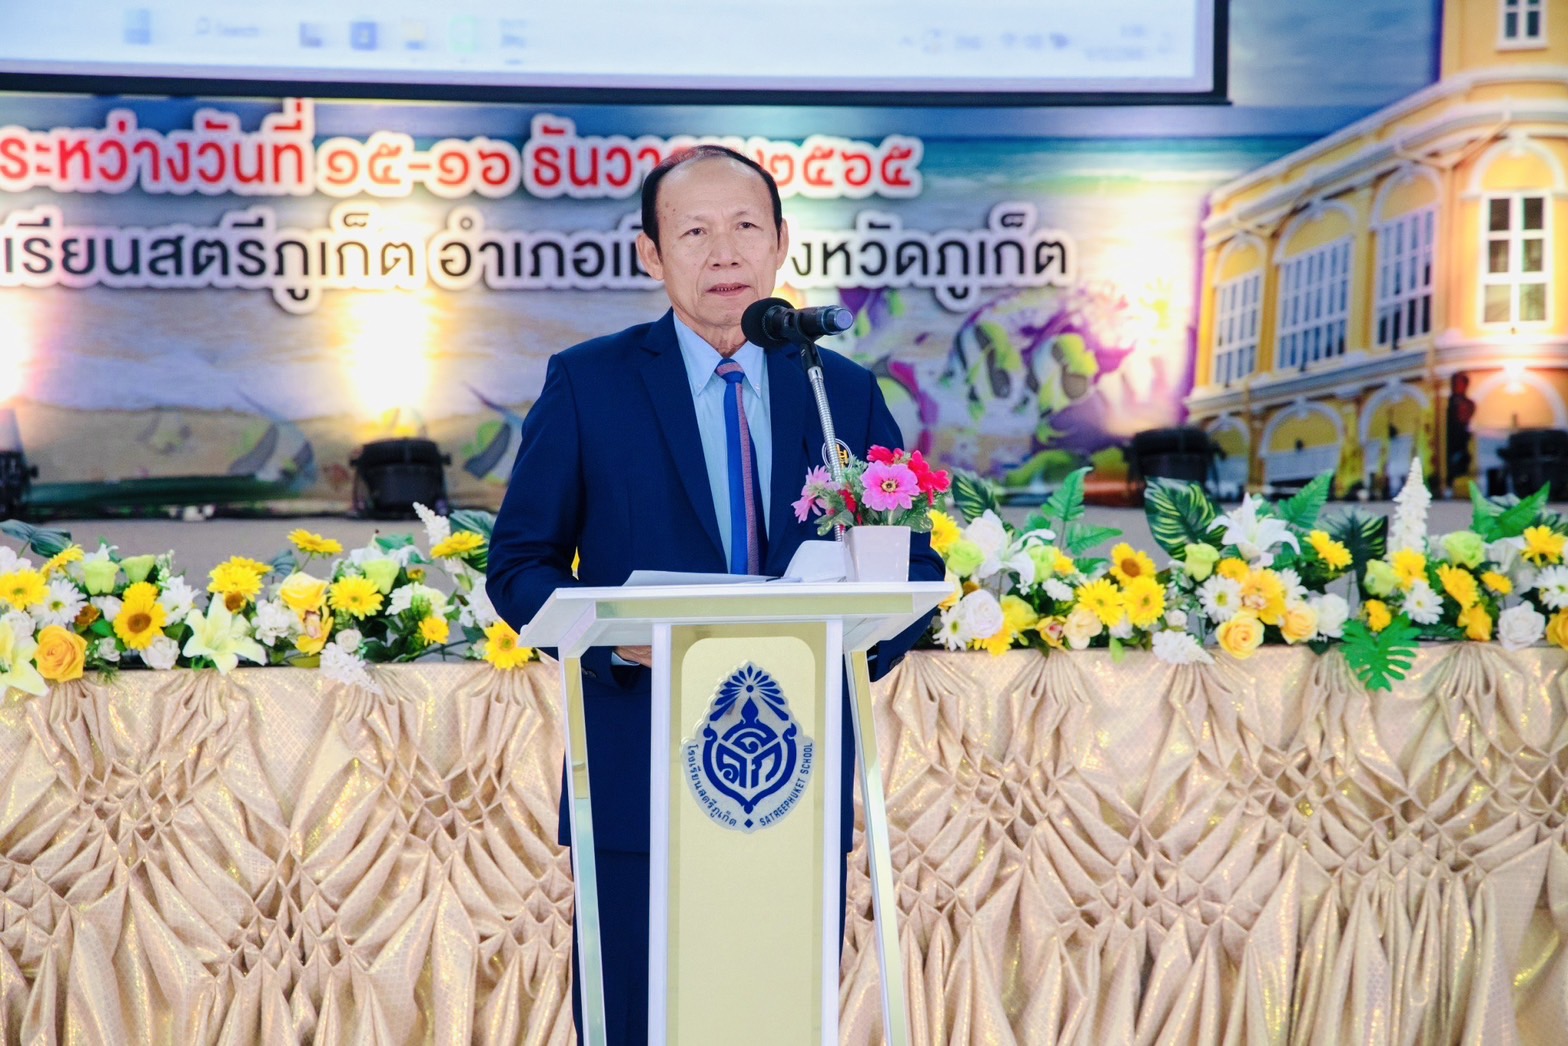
[101, 627]
[1077, 539]
[1066, 503]
[284, 563]
[46, 543]
[1381, 659]
[392, 542]
[1441, 631]
[972, 495]
[1179, 514]
[1483, 517]
[1118, 651]
[473, 520]
[1515, 520]
[1302, 509]
[1365, 536]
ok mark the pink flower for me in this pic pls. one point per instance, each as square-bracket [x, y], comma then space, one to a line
[889, 487]
[811, 494]
[883, 456]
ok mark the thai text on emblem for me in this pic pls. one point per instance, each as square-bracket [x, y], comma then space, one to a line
[748, 762]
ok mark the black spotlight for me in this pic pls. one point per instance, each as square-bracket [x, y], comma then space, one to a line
[1533, 458]
[16, 476]
[390, 475]
[1181, 453]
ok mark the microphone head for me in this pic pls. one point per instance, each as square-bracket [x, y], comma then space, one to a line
[836, 319]
[754, 323]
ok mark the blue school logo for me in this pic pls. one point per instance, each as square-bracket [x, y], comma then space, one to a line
[749, 763]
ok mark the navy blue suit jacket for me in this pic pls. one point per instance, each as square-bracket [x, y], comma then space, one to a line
[611, 466]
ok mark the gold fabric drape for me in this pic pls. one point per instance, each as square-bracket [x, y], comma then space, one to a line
[1085, 852]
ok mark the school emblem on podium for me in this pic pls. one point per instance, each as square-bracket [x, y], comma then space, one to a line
[749, 763]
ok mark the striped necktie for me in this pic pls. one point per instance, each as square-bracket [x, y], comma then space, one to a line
[745, 543]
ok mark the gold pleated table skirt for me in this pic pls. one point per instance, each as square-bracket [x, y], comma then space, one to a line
[1086, 852]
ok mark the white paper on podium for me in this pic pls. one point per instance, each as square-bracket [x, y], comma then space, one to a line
[817, 561]
[640, 578]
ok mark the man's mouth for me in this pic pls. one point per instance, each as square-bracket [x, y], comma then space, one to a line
[727, 288]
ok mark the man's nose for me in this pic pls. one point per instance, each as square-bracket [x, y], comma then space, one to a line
[723, 251]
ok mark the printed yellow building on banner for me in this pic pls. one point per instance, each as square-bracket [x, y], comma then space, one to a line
[1398, 287]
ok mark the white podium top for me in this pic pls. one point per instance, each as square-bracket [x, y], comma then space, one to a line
[575, 619]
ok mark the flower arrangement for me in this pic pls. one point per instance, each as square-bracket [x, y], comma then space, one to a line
[1264, 572]
[889, 488]
[79, 611]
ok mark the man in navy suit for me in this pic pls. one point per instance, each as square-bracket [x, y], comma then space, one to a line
[623, 462]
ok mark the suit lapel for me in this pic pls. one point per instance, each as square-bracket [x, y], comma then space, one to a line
[790, 405]
[664, 375]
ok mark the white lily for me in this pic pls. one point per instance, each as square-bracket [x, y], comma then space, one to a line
[221, 636]
[1253, 535]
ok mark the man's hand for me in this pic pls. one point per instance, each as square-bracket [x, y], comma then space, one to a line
[640, 655]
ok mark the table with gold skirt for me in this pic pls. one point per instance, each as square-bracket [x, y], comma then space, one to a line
[1086, 852]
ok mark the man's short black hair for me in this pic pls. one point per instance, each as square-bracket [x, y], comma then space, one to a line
[650, 184]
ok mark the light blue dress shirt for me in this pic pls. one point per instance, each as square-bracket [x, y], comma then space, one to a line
[707, 394]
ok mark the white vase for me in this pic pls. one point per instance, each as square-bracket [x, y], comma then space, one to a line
[878, 553]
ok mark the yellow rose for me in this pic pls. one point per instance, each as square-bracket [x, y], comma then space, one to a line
[1018, 614]
[1241, 635]
[1299, 622]
[1557, 630]
[61, 654]
[302, 593]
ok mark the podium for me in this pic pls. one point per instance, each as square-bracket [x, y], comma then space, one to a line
[747, 746]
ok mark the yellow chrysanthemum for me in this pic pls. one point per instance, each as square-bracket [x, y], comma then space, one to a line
[1377, 615]
[1543, 546]
[434, 629]
[234, 579]
[69, 554]
[998, 643]
[1459, 583]
[1103, 598]
[21, 589]
[1498, 583]
[1128, 563]
[1331, 552]
[944, 531]
[141, 617]
[1235, 569]
[458, 545]
[1476, 622]
[356, 596]
[255, 566]
[1263, 593]
[501, 648]
[314, 544]
[1409, 567]
[1144, 600]
[1064, 564]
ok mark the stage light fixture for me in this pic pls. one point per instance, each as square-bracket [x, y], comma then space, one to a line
[390, 475]
[16, 475]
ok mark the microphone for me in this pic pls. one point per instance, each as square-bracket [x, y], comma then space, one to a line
[774, 323]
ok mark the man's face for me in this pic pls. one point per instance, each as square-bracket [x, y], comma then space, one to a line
[717, 250]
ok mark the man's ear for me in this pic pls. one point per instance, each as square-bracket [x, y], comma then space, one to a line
[648, 254]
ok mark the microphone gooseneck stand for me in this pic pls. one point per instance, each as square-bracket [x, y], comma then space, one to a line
[811, 359]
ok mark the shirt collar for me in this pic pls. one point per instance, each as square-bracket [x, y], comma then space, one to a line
[701, 358]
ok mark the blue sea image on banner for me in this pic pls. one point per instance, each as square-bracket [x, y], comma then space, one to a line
[748, 762]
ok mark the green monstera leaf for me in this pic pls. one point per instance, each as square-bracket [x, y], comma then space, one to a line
[1381, 659]
[1179, 514]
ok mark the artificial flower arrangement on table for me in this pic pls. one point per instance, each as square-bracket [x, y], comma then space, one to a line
[1264, 572]
[1501, 580]
[77, 611]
